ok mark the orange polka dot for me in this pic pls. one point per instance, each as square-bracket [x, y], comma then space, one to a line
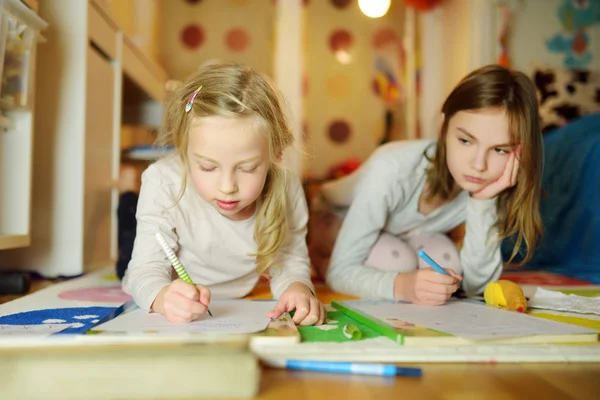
[385, 36]
[237, 40]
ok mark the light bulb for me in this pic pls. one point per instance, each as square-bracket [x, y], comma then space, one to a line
[343, 57]
[374, 8]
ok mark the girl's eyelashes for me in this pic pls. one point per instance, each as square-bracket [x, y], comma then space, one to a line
[498, 150]
[211, 169]
[249, 171]
[205, 169]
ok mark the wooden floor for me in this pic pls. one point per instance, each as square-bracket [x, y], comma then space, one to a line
[443, 381]
[439, 381]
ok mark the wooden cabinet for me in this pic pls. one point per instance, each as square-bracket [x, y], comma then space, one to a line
[100, 153]
[80, 74]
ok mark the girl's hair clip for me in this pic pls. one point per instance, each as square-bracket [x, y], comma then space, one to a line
[190, 101]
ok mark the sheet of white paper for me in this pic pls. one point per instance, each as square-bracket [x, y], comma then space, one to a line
[32, 330]
[553, 300]
[469, 320]
[229, 317]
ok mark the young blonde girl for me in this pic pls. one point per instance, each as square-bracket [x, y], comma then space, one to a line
[224, 202]
[484, 169]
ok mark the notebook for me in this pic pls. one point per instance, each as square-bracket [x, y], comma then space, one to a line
[229, 317]
[128, 367]
[383, 350]
[460, 322]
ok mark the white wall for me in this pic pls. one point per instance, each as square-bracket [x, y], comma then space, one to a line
[288, 68]
[344, 90]
[461, 35]
[534, 22]
[456, 38]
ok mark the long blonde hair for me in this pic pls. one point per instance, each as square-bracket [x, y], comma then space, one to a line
[235, 90]
[494, 86]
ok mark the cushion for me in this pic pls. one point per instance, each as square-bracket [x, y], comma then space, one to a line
[566, 94]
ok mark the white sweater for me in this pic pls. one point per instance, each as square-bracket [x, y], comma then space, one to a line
[214, 250]
[384, 197]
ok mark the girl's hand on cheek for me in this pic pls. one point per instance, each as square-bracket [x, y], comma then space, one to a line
[507, 180]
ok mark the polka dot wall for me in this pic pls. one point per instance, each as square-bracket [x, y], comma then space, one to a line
[196, 31]
[343, 109]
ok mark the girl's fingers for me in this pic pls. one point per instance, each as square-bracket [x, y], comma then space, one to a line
[443, 289]
[204, 295]
[175, 319]
[515, 172]
[322, 315]
[198, 309]
[180, 301]
[508, 170]
[454, 274]
[439, 298]
[313, 316]
[437, 278]
[436, 289]
[187, 290]
[185, 315]
[182, 307]
[302, 310]
[279, 309]
[432, 299]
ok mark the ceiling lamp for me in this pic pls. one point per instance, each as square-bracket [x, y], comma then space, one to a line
[374, 8]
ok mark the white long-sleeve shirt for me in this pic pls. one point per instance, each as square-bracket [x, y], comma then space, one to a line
[384, 197]
[214, 250]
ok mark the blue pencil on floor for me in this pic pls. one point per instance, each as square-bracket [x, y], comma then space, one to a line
[346, 367]
[432, 263]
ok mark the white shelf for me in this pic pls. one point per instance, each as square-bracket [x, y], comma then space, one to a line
[16, 142]
[14, 241]
[78, 115]
[6, 123]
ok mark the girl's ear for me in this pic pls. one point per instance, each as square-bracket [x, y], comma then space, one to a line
[280, 156]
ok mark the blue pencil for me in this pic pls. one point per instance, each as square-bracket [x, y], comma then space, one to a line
[433, 264]
[346, 367]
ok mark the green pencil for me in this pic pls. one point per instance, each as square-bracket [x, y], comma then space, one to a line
[175, 262]
[369, 321]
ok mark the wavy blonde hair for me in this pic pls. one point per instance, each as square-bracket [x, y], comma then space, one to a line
[494, 86]
[235, 90]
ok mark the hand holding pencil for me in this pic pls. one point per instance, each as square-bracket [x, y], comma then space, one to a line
[429, 286]
[181, 300]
